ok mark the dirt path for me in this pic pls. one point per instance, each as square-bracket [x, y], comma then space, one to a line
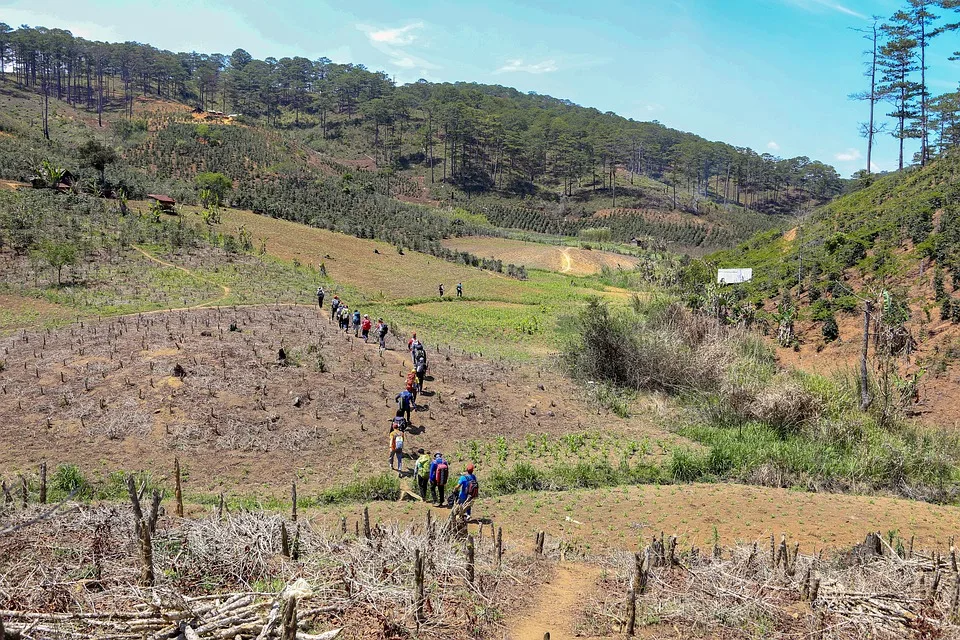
[556, 604]
[567, 261]
[202, 305]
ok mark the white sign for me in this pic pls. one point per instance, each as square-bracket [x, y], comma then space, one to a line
[734, 276]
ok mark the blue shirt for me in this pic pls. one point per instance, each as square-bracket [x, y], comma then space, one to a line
[462, 485]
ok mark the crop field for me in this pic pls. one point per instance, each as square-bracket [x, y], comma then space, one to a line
[568, 260]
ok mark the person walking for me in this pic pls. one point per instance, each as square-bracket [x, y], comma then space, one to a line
[382, 329]
[441, 289]
[412, 345]
[420, 368]
[439, 472]
[396, 447]
[467, 489]
[421, 471]
[320, 294]
[345, 318]
[459, 289]
[405, 404]
[365, 328]
[334, 307]
[356, 323]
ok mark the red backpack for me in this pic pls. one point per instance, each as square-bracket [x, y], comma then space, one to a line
[441, 474]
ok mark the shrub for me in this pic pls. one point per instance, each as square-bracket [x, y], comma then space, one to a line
[382, 487]
[830, 329]
[785, 407]
[687, 465]
[69, 479]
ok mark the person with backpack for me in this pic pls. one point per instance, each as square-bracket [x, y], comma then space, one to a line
[411, 384]
[439, 472]
[459, 289]
[412, 345]
[468, 488]
[420, 369]
[356, 323]
[334, 307]
[421, 471]
[344, 318]
[382, 329]
[365, 328]
[396, 447]
[441, 289]
[405, 404]
[320, 295]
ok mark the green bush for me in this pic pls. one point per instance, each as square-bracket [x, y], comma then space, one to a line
[687, 465]
[830, 330]
[385, 486]
[69, 479]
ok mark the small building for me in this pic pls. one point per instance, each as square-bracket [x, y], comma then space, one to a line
[166, 203]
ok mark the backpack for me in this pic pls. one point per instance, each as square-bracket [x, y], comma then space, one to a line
[423, 467]
[419, 353]
[398, 441]
[383, 330]
[421, 367]
[440, 475]
[406, 399]
[473, 488]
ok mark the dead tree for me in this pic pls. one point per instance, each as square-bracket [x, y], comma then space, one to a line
[144, 527]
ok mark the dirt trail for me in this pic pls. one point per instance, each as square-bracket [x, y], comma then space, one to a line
[208, 303]
[556, 604]
[567, 261]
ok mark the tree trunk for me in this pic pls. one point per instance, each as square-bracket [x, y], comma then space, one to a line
[865, 398]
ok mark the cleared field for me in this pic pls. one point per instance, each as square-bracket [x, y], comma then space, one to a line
[533, 255]
[627, 517]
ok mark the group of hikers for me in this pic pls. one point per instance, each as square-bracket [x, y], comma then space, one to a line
[429, 472]
[459, 289]
[360, 324]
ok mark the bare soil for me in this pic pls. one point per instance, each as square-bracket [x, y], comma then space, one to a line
[570, 260]
[106, 395]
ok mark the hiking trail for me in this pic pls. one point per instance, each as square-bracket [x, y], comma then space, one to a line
[556, 605]
[202, 305]
[567, 260]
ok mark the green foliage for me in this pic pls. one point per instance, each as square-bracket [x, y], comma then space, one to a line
[69, 479]
[213, 188]
[58, 255]
[382, 487]
[94, 153]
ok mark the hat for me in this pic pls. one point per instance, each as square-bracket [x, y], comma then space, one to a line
[438, 455]
[414, 334]
[365, 316]
[421, 451]
[470, 467]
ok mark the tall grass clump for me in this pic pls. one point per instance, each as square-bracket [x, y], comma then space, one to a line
[385, 486]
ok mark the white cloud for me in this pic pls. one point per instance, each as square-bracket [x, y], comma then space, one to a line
[394, 42]
[398, 36]
[848, 156]
[773, 146]
[518, 65]
[819, 5]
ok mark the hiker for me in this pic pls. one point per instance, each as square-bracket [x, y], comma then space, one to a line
[421, 471]
[320, 294]
[405, 404]
[459, 289]
[334, 307]
[412, 344]
[345, 318]
[468, 489]
[356, 323]
[441, 289]
[439, 471]
[382, 329]
[365, 328]
[396, 447]
[420, 368]
[411, 384]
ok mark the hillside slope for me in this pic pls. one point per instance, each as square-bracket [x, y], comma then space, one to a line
[896, 239]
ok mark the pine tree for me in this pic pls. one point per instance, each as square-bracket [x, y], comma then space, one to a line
[898, 60]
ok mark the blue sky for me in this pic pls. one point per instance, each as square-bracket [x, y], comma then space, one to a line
[770, 74]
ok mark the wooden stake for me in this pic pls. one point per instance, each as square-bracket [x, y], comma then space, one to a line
[220, 508]
[631, 612]
[499, 547]
[178, 489]
[43, 483]
[418, 585]
[284, 541]
[293, 500]
[288, 626]
[470, 559]
[366, 522]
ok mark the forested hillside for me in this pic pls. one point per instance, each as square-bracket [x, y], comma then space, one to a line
[525, 160]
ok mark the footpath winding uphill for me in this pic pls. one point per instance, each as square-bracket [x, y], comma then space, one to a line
[556, 604]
